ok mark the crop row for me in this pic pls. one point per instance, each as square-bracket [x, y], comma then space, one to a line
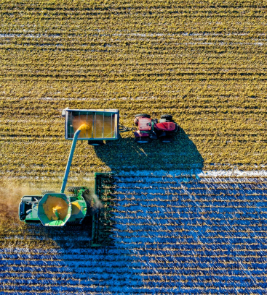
[254, 47]
[25, 152]
[234, 270]
[167, 23]
[77, 94]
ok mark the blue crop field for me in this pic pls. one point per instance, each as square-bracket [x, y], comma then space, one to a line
[173, 234]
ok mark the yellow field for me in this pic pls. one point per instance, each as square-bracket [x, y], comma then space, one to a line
[202, 61]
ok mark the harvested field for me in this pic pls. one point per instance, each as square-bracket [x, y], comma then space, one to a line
[204, 62]
[173, 233]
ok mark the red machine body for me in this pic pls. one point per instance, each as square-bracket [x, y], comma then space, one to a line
[148, 129]
[166, 126]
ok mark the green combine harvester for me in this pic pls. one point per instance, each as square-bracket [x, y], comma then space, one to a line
[58, 209]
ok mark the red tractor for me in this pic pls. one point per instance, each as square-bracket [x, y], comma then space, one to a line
[148, 128]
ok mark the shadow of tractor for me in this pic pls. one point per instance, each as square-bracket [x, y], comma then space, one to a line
[125, 154]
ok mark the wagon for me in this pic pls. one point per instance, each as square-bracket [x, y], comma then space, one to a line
[102, 124]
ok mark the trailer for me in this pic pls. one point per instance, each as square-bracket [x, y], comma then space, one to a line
[102, 124]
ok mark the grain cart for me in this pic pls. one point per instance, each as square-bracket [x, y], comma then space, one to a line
[102, 124]
[59, 209]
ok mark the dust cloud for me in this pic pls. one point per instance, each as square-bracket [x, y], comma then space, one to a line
[98, 203]
[93, 199]
[11, 193]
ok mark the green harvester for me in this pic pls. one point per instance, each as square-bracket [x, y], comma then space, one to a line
[58, 209]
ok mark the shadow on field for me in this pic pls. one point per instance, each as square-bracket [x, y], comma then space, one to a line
[126, 154]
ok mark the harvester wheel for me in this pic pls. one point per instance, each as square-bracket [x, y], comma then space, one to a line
[72, 189]
[143, 115]
[167, 117]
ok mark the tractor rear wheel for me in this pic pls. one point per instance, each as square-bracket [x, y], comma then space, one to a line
[143, 115]
[167, 117]
[166, 139]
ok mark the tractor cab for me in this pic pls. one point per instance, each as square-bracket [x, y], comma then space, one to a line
[144, 124]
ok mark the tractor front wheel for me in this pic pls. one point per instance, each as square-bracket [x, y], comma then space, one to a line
[142, 140]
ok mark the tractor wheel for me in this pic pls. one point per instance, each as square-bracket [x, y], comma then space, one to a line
[142, 140]
[166, 139]
[143, 115]
[167, 117]
[177, 128]
[72, 189]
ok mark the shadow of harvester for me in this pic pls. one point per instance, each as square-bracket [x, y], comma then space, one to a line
[126, 154]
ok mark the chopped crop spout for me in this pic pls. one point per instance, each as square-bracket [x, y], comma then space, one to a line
[82, 128]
